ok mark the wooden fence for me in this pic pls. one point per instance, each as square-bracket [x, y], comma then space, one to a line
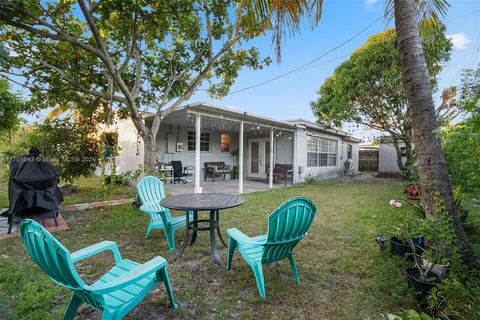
[368, 160]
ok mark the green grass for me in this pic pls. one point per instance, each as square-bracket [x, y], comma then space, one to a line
[343, 274]
[88, 191]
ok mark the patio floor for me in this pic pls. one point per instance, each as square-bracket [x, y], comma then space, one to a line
[220, 186]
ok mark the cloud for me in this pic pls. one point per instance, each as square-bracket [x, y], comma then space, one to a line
[370, 3]
[459, 40]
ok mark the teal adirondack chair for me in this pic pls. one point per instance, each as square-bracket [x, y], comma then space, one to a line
[287, 225]
[151, 191]
[116, 293]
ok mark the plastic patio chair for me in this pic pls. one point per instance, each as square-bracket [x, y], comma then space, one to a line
[151, 191]
[116, 293]
[287, 225]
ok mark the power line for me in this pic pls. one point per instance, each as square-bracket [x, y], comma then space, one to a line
[303, 67]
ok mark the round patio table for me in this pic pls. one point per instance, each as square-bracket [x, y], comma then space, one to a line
[195, 202]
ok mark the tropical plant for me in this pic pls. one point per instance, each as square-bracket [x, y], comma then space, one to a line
[412, 191]
[137, 54]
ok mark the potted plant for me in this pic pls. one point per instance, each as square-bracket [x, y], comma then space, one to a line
[431, 266]
[235, 169]
[400, 245]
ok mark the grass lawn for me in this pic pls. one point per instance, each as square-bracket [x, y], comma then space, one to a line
[343, 273]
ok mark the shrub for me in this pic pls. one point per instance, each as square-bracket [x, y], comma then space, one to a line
[72, 146]
[462, 151]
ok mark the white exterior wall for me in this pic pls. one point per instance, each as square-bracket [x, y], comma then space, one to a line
[387, 158]
[188, 157]
[301, 136]
[127, 159]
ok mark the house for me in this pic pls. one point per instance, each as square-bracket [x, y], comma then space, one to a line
[223, 133]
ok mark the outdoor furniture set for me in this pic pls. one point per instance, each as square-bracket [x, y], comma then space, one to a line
[217, 168]
[127, 283]
[284, 171]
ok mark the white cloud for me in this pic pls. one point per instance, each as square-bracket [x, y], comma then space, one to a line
[370, 3]
[459, 40]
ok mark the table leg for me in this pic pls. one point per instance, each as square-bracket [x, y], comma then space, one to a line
[185, 240]
[213, 244]
[195, 225]
[218, 228]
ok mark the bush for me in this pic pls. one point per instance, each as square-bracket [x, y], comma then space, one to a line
[72, 146]
[462, 152]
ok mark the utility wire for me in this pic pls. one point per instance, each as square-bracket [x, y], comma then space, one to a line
[303, 67]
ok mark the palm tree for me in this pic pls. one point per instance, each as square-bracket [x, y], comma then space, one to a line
[286, 14]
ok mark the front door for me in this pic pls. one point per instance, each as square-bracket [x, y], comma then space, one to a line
[258, 157]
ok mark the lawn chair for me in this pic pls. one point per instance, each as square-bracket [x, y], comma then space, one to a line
[151, 191]
[116, 293]
[287, 225]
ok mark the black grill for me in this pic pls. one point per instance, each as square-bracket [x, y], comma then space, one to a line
[33, 188]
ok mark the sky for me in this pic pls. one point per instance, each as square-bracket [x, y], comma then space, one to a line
[289, 97]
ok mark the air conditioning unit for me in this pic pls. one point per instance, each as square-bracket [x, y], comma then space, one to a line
[348, 165]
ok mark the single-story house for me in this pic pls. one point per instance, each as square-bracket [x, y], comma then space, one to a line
[239, 138]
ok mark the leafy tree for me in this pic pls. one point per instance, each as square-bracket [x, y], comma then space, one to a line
[72, 146]
[141, 54]
[367, 88]
[11, 105]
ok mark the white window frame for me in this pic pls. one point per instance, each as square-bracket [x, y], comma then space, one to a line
[322, 152]
[194, 134]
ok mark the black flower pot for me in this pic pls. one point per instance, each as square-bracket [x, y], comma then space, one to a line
[401, 249]
[422, 286]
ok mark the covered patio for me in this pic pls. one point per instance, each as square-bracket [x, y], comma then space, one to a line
[200, 134]
[220, 186]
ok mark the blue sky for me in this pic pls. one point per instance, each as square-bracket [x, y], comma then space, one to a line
[289, 97]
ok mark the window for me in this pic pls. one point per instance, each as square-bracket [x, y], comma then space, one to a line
[403, 151]
[225, 142]
[204, 141]
[321, 152]
[349, 151]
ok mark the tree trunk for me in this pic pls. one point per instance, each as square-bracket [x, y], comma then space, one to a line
[150, 143]
[432, 167]
[410, 155]
[399, 154]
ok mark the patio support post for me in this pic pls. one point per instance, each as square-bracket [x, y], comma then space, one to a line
[197, 154]
[240, 159]
[270, 169]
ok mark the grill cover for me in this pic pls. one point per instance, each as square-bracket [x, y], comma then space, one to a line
[33, 185]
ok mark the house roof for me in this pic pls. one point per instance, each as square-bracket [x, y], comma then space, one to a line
[230, 113]
[321, 127]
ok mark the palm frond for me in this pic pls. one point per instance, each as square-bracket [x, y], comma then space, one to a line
[278, 15]
[426, 9]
